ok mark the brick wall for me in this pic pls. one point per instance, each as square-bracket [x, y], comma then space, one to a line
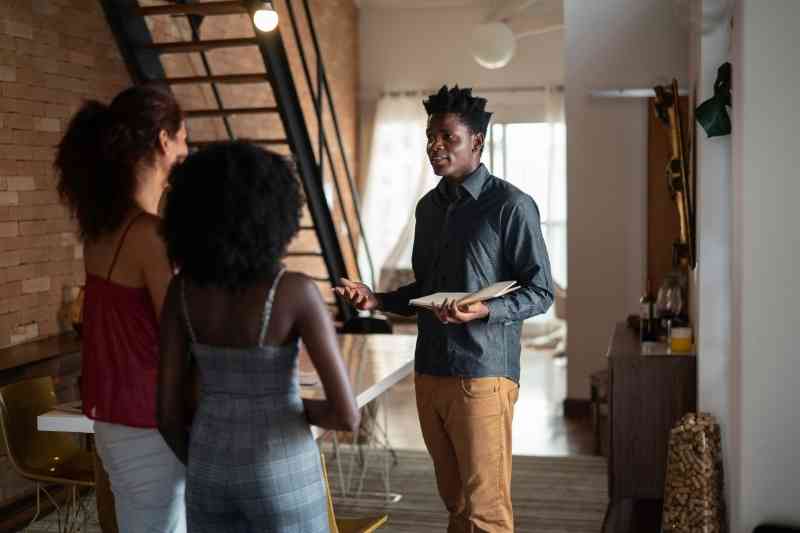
[54, 54]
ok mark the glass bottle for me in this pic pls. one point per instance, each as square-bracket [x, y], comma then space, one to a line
[669, 302]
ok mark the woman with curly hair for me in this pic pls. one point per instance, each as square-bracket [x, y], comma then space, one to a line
[252, 463]
[112, 166]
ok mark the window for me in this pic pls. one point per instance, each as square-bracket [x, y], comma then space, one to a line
[532, 156]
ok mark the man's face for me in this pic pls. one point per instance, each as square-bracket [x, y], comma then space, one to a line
[453, 150]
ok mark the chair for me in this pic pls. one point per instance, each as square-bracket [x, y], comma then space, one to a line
[348, 525]
[43, 457]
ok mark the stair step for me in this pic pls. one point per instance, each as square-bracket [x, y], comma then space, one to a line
[204, 113]
[303, 254]
[224, 78]
[200, 144]
[184, 47]
[230, 7]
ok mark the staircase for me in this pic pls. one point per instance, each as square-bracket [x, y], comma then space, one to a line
[236, 82]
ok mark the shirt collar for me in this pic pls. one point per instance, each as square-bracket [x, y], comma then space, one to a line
[473, 183]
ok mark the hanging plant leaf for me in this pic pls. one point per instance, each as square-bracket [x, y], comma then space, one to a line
[713, 113]
[713, 117]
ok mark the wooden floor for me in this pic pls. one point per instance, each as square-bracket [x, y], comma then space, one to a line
[539, 424]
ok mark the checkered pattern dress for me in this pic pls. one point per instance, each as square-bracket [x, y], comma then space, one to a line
[253, 463]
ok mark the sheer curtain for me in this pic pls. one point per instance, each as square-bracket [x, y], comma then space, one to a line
[531, 154]
[398, 176]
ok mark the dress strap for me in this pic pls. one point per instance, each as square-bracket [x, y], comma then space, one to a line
[186, 312]
[120, 243]
[267, 314]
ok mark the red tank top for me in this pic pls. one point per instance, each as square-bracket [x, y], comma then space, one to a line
[119, 351]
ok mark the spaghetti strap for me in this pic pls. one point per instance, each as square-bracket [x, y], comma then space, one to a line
[119, 245]
[267, 314]
[186, 312]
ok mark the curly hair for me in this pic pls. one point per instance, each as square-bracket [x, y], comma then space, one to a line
[97, 158]
[231, 210]
[470, 108]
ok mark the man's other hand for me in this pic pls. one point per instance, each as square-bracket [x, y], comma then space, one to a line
[451, 313]
[357, 294]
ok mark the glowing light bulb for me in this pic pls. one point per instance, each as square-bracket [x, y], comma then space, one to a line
[265, 18]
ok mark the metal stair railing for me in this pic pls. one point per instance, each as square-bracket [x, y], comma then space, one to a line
[142, 57]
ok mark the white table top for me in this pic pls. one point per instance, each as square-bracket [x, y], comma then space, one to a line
[375, 364]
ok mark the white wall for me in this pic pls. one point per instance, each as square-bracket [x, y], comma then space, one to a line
[765, 428]
[404, 49]
[610, 44]
[712, 276]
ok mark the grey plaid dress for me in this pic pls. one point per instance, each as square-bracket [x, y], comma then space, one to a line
[253, 463]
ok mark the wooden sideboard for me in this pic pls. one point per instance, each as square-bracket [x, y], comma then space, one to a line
[647, 394]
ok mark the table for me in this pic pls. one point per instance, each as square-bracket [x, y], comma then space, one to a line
[375, 363]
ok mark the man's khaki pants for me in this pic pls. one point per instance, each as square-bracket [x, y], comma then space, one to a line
[466, 424]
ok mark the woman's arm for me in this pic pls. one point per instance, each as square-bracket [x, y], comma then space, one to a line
[173, 373]
[156, 266]
[338, 410]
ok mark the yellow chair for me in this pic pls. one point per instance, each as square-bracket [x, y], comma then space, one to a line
[348, 525]
[46, 458]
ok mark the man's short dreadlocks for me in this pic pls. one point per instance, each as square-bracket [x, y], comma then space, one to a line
[461, 102]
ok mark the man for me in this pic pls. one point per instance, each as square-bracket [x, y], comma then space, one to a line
[472, 230]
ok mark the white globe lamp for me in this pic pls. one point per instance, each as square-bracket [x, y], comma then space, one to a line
[492, 45]
[265, 18]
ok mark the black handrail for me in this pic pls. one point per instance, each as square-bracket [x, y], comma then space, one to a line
[323, 147]
[317, 96]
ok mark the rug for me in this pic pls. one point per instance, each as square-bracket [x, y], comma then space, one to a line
[550, 495]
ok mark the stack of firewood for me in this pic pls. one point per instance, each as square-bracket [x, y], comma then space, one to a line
[693, 498]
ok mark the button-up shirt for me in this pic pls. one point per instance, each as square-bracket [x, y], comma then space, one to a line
[468, 236]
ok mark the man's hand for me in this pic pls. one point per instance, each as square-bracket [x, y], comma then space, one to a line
[450, 313]
[357, 294]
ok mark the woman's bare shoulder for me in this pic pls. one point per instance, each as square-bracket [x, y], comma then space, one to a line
[146, 231]
[300, 287]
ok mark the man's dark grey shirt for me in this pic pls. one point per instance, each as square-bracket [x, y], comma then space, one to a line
[467, 237]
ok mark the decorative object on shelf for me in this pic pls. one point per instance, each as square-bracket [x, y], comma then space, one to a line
[492, 45]
[666, 109]
[693, 488]
[713, 113]
[669, 302]
[647, 311]
[680, 339]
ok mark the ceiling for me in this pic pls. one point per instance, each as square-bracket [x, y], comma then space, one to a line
[492, 5]
[526, 17]
[419, 4]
